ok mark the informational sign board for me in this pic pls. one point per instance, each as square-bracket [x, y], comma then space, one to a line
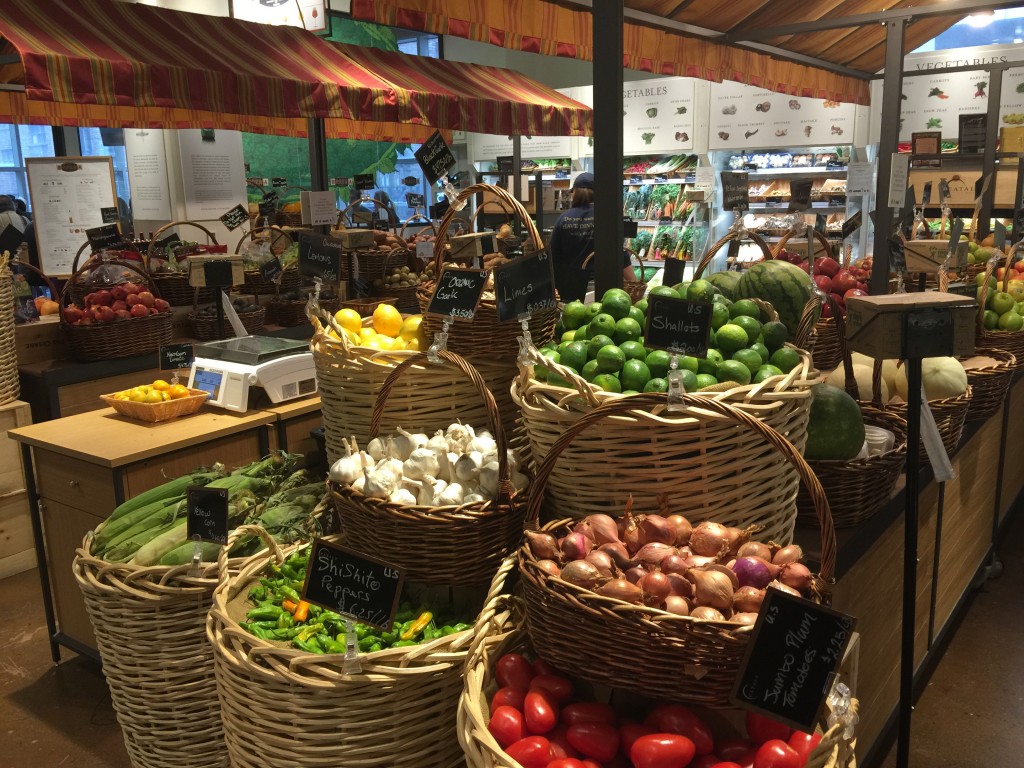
[898, 179]
[104, 237]
[235, 218]
[735, 191]
[524, 286]
[435, 158]
[176, 357]
[213, 172]
[971, 134]
[458, 293]
[271, 269]
[318, 208]
[147, 173]
[852, 224]
[364, 182]
[800, 194]
[357, 586]
[320, 256]
[68, 195]
[674, 271]
[934, 102]
[678, 326]
[308, 14]
[218, 273]
[207, 513]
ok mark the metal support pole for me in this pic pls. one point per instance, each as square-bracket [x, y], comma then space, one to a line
[517, 178]
[995, 92]
[892, 88]
[608, 18]
[539, 207]
[318, 159]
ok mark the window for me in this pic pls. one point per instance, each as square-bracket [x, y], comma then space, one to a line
[16, 143]
[109, 142]
[992, 28]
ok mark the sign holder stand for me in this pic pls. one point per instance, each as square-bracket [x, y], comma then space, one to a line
[197, 555]
[440, 340]
[676, 390]
[351, 664]
[526, 340]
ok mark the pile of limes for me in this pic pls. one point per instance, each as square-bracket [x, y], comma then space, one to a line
[603, 342]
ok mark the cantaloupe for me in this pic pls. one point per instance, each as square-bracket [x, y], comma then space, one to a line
[863, 375]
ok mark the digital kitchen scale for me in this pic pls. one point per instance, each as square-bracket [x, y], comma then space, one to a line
[230, 370]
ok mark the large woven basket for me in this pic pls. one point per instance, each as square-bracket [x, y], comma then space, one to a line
[85, 284]
[636, 289]
[950, 415]
[485, 336]
[499, 631]
[660, 654]
[1011, 341]
[290, 313]
[990, 384]
[374, 263]
[174, 286]
[455, 545]
[733, 234]
[653, 454]
[404, 298]
[284, 708]
[9, 382]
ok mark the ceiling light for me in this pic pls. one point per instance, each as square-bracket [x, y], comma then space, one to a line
[981, 19]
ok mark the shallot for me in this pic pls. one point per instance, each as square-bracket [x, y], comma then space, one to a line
[755, 549]
[603, 562]
[621, 589]
[683, 529]
[680, 586]
[708, 539]
[784, 588]
[656, 587]
[745, 619]
[747, 599]
[581, 574]
[634, 574]
[619, 554]
[711, 588]
[543, 545]
[656, 529]
[706, 613]
[653, 553]
[787, 555]
[677, 605]
[575, 546]
[550, 567]
[797, 576]
[601, 528]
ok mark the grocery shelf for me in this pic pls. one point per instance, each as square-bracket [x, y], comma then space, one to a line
[685, 180]
[810, 171]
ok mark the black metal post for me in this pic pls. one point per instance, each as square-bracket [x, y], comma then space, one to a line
[318, 159]
[888, 143]
[988, 196]
[42, 565]
[539, 208]
[517, 178]
[608, 19]
[220, 313]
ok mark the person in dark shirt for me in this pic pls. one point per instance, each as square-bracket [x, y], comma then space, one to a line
[572, 239]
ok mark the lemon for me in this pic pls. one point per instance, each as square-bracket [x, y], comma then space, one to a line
[373, 343]
[160, 385]
[385, 342]
[367, 333]
[349, 319]
[415, 345]
[387, 320]
[137, 395]
[355, 338]
[411, 327]
[399, 343]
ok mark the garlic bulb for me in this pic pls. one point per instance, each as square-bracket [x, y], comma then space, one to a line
[425, 490]
[348, 468]
[473, 496]
[489, 479]
[446, 466]
[467, 468]
[378, 485]
[458, 436]
[402, 496]
[483, 443]
[377, 449]
[438, 444]
[402, 445]
[451, 496]
[421, 461]
[520, 481]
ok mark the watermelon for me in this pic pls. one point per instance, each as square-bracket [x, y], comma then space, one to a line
[725, 282]
[785, 286]
[835, 429]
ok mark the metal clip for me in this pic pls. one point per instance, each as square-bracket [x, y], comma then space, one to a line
[840, 702]
[351, 665]
[197, 555]
[526, 339]
[440, 340]
[676, 390]
[452, 194]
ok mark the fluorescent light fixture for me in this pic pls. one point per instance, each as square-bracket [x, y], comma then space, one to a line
[981, 19]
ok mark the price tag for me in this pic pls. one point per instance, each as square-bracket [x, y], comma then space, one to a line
[235, 218]
[791, 659]
[340, 181]
[355, 585]
[208, 513]
[109, 215]
[678, 326]
[561, 173]
[318, 208]
[218, 274]
[319, 256]
[425, 250]
[458, 293]
[413, 200]
[674, 269]
[636, 179]
[106, 236]
[898, 179]
[858, 178]
[365, 181]
[524, 286]
[800, 194]
[270, 269]
[176, 357]
[852, 224]
[505, 165]
[735, 191]
[660, 178]
[435, 158]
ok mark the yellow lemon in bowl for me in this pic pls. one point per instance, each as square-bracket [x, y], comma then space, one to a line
[387, 320]
[349, 319]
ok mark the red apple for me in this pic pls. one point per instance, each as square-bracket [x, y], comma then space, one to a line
[86, 320]
[863, 287]
[826, 309]
[132, 288]
[838, 299]
[132, 300]
[139, 310]
[122, 314]
[824, 283]
[103, 298]
[843, 281]
[804, 267]
[147, 298]
[1000, 272]
[118, 292]
[72, 314]
[162, 305]
[154, 311]
[118, 305]
[826, 265]
[103, 314]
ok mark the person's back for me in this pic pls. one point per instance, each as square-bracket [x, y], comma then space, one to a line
[9, 215]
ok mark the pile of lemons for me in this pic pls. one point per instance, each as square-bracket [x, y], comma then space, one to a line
[387, 331]
[159, 391]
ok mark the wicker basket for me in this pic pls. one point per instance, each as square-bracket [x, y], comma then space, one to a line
[653, 454]
[485, 336]
[154, 412]
[207, 328]
[1011, 341]
[284, 708]
[990, 384]
[404, 299]
[456, 545]
[83, 286]
[365, 307]
[288, 218]
[10, 387]
[375, 263]
[280, 241]
[636, 289]
[174, 286]
[683, 659]
[735, 234]
[121, 338]
[950, 414]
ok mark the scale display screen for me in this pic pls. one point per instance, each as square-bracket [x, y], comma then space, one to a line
[209, 381]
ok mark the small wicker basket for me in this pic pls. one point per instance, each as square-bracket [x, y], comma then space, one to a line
[1011, 341]
[155, 412]
[990, 384]
[280, 241]
[174, 286]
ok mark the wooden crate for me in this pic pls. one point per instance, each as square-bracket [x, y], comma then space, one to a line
[17, 550]
[12, 477]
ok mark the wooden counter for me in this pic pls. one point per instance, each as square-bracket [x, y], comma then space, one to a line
[295, 420]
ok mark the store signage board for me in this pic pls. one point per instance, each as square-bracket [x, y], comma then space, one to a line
[674, 269]
[176, 357]
[318, 208]
[320, 256]
[926, 143]
[207, 511]
[506, 165]
[213, 172]
[146, 157]
[357, 586]
[972, 133]
[678, 326]
[898, 179]
[109, 215]
[859, 178]
[235, 218]
[524, 286]
[735, 191]
[414, 200]
[704, 178]
[791, 659]
[458, 293]
[435, 158]
[659, 116]
[852, 224]
[365, 181]
[934, 102]
[104, 237]
[308, 14]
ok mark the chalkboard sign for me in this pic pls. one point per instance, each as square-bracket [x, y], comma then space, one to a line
[435, 158]
[413, 200]
[793, 653]
[629, 228]
[235, 218]
[505, 165]
[852, 224]
[673, 272]
[999, 235]
[970, 290]
[660, 178]
[176, 357]
[218, 273]
[279, 181]
[319, 256]
[358, 587]
[677, 325]
[458, 293]
[365, 181]
[109, 215]
[800, 194]
[270, 269]
[524, 286]
[561, 173]
[636, 179]
[106, 236]
[268, 205]
[735, 191]
[208, 513]
[956, 228]
[972, 133]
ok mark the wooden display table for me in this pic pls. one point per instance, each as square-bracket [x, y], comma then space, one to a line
[295, 420]
[77, 469]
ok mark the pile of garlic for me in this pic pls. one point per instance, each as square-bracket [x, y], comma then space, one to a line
[454, 467]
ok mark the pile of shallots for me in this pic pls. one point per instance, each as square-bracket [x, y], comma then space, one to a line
[709, 572]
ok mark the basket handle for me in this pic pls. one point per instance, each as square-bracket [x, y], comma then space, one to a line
[729, 236]
[211, 238]
[822, 240]
[276, 234]
[253, 565]
[505, 489]
[479, 209]
[698, 407]
[17, 264]
[496, 602]
[407, 222]
[392, 216]
[808, 319]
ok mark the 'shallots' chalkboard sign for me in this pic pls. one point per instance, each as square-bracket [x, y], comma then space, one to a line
[176, 357]
[319, 256]
[677, 325]
[207, 513]
[524, 286]
[458, 293]
[793, 653]
[358, 587]
[435, 157]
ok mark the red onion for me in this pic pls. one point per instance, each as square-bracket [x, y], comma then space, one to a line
[620, 589]
[752, 572]
[543, 545]
[655, 528]
[603, 562]
[619, 554]
[682, 528]
[575, 546]
[747, 599]
[797, 576]
[550, 567]
[677, 605]
[783, 588]
[656, 587]
[755, 549]
[705, 613]
[604, 529]
[653, 553]
[711, 588]
[786, 555]
[582, 574]
[634, 574]
[745, 618]
[680, 586]
[727, 571]
[708, 539]
[735, 538]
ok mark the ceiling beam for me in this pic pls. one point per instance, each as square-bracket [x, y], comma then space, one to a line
[951, 8]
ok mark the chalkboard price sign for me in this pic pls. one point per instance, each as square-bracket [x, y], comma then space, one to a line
[279, 181]
[319, 256]
[800, 194]
[270, 269]
[435, 158]
[106, 236]
[524, 286]
[678, 326]
[218, 273]
[207, 513]
[109, 215]
[414, 200]
[365, 181]
[735, 191]
[358, 587]
[673, 272]
[176, 357]
[458, 293]
[852, 224]
[999, 235]
[505, 165]
[235, 218]
[794, 651]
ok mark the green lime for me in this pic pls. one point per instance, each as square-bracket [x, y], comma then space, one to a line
[687, 363]
[630, 392]
[745, 307]
[589, 370]
[689, 381]
[762, 350]
[557, 381]
[750, 325]
[730, 338]
[733, 370]
[633, 350]
[749, 357]
[540, 372]
[663, 290]
[705, 380]
[582, 333]
[700, 290]
[569, 336]
[785, 359]
[681, 289]
[563, 346]
[574, 315]
[635, 375]
[616, 302]
[642, 306]
[712, 339]
[658, 362]
[595, 343]
[610, 359]
[709, 365]
[607, 382]
[593, 310]
[775, 334]
[627, 329]
[603, 323]
[719, 315]
[560, 328]
[656, 385]
[550, 345]
[638, 315]
[765, 372]
[575, 355]
[724, 300]
[990, 320]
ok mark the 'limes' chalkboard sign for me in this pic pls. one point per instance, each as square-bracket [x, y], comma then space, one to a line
[677, 325]
[435, 158]
[356, 586]
[207, 513]
[235, 218]
[176, 357]
[458, 293]
[524, 286]
[793, 652]
[319, 256]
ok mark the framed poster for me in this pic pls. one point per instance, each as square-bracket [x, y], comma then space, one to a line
[68, 197]
[213, 172]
